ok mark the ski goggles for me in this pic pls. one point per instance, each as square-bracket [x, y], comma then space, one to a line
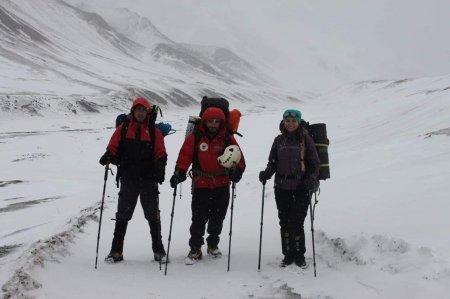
[296, 114]
[290, 114]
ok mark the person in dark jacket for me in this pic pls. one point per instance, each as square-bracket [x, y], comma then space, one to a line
[142, 166]
[294, 161]
[210, 181]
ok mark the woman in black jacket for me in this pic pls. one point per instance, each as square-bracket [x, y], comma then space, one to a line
[294, 161]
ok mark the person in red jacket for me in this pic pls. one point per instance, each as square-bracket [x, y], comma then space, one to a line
[210, 180]
[142, 164]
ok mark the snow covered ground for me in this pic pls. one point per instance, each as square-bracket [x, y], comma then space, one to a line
[381, 222]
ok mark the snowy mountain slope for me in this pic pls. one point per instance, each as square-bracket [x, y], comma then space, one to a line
[311, 45]
[394, 137]
[217, 61]
[380, 221]
[50, 48]
[136, 27]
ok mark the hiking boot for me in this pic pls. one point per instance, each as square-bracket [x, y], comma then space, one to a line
[300, 261]
[194, 255]
[214, 252]
[160, 256]
[288, 260]
[114, 257]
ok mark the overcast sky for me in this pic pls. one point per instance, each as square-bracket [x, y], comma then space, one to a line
[314, 45]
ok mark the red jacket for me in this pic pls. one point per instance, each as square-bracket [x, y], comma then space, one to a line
[208, 150]
[136, 157]
[160, 149]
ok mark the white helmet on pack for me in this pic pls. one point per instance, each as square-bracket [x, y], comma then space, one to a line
[231, 156]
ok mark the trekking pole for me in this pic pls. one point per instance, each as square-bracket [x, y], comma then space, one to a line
[101, 213]
[261, 230]
[170, 230]
[159, 228]
[311, 214]
[233, 195]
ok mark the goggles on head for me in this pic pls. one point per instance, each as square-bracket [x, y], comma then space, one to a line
[290, 114]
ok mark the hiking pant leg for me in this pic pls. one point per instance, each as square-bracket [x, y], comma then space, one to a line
[119, 234]
[201, 205]
[219, 207]
[283, 199]
[126, 204]
[149, 196]
[297, 217]
[125, 207]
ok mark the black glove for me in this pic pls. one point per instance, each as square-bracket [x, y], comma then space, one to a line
[310, 184]
[160, 170]
[159, 177]
[177, 177]
[108, 158]
[235, 174]
[105, 159]
[264, 176]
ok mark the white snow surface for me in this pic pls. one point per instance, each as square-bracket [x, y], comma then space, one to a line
[381, 225]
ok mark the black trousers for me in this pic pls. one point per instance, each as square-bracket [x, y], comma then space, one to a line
[208, 206]
[129, 192]
[292, 208]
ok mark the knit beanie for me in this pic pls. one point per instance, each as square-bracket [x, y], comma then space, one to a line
[292, 113]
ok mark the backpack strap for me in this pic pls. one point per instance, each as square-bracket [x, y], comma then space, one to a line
[123, 134]
[152, 125]
[195, 161]
[124, 130]
[302, 155]
[303, 132]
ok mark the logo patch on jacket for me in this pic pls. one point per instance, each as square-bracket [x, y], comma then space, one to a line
[203, 147]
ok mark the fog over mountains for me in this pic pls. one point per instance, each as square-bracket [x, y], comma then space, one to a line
[311, 45]
[57, 57]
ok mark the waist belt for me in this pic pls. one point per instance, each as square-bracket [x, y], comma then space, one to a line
[288, 176]
[195, 174]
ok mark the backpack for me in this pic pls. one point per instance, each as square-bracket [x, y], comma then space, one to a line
[232, 119]
[124, 120]
[165, 128]
[318, 133]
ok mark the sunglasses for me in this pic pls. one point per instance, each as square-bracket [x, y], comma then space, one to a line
[290, 114]
[213, 120]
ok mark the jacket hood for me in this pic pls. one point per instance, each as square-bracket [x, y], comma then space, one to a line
[140, 101]
[213, 112]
